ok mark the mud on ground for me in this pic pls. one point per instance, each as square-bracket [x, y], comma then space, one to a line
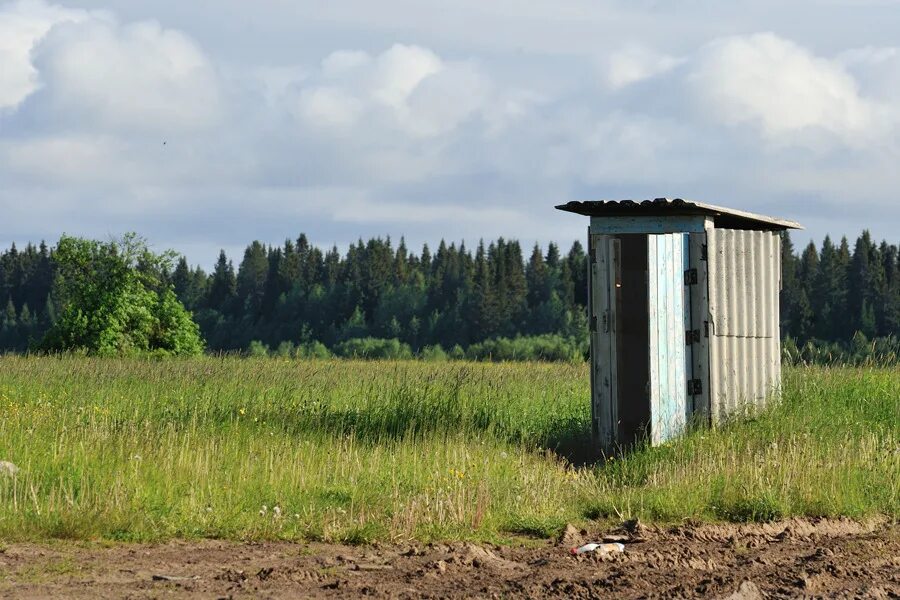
[796, 558]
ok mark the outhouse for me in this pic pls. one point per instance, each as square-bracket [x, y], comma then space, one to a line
[684, 315]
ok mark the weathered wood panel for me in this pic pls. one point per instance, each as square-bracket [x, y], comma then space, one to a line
[650, 225]
[603, 368]
[668, 378]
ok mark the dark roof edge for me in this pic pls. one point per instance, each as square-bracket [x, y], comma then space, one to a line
[665, 206]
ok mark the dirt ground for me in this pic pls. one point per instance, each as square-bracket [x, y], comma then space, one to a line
[796, 558]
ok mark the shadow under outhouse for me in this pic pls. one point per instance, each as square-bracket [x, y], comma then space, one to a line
[684, 315]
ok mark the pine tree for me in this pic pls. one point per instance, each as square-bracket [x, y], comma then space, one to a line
[578, 262]
[425, 263]
[860, 280]
[274, 287]
[790, 289]
[9, 316]
[805, 315]
[25, 316]
[223, 286]
[484, 309]
[537, 276]
[552, 256]
[829, 297]
[251, 280]
[182, 283]
[891, 297]
[332, 266]
[49, 311]
[516, 288]
[844, 321]
[401, 264]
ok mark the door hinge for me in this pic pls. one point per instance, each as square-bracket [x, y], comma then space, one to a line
[691, 336]
[706, 329]
[690, 277]
[606, 321]
[694, 387]
[593, 323]
[704, 252]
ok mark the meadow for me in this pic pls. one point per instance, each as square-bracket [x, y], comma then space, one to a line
[358, 451]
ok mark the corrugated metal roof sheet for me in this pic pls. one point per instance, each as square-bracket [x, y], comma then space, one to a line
[724, 217]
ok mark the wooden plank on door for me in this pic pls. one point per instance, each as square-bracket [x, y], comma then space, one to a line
[668, 379]
[603, 365]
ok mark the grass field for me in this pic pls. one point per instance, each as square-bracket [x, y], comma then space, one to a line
[360, 451]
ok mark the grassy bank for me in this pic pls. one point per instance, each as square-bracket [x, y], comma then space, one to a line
[355, 451]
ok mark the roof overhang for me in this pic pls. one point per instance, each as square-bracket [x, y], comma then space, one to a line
[661, 207]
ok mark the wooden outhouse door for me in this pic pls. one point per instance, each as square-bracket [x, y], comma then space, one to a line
[603, 347]
[669, 318]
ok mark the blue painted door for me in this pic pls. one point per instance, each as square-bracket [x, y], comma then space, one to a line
[669, 319]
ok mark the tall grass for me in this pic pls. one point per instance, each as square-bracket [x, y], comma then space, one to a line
[356, 451]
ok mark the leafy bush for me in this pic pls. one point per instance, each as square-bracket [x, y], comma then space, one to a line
[313, 349]
[285, 349]
[457, 353]
[257, 349]
[433, 353]
[373, 348]
[548, 347]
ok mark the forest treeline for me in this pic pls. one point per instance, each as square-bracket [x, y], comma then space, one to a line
[454, 297]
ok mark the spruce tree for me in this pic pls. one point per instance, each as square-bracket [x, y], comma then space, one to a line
[516, 288]
[790, 289]
[805, 314]
[223, 286]
[9, 315]
[891, 296]
[251, 280]
[860, 278]
[829, 297]
[537, 276]
[578, 264]
[484, 307]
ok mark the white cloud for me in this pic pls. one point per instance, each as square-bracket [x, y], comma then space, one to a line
[441, 137]
[399, 70]
[780, 87]
[328, 106]
[876, 69]
[137, 76]
[635, 63]
[409, 90]
[341, 62]
[22, 25]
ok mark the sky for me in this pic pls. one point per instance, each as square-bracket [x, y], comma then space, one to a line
[204, 125]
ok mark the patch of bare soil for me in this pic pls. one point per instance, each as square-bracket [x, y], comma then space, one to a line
[796, 558]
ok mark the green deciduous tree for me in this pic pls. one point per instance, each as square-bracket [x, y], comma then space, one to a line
[114, 301]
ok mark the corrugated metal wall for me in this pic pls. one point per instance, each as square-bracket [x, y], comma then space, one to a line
[668, 380]
[745, 350]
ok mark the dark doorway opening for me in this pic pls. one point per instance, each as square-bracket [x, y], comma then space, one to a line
[632, 341]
